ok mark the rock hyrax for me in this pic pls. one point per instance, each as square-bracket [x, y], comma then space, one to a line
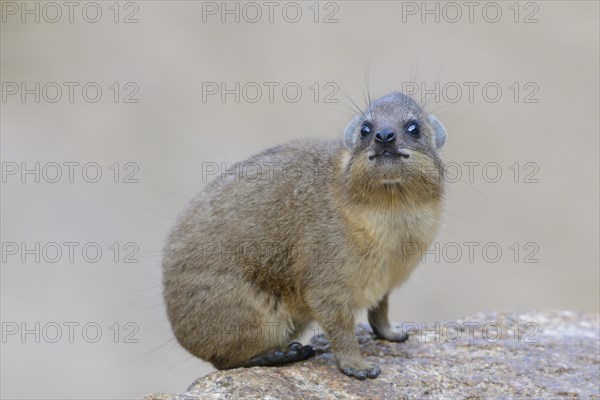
[307, 231]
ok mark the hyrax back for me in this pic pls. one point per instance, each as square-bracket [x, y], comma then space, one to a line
[306, 231]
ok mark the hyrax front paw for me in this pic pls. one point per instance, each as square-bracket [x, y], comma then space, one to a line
[360, 369]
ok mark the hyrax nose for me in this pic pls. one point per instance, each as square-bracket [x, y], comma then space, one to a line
[385, 136]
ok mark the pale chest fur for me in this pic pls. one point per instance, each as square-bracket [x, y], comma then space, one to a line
[395, 242]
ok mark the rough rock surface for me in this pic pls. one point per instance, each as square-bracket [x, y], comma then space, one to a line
[553, 355]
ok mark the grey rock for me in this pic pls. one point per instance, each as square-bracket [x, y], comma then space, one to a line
[487, 355]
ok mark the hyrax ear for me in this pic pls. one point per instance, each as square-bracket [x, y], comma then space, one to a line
[349, 132]
[439, 132]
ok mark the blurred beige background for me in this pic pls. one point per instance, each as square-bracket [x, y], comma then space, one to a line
[547, 115]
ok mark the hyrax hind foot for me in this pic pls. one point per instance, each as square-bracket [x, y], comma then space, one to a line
[391, 335]
[378, 318]
[294, 352]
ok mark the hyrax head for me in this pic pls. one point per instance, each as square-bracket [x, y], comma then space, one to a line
[395, 142]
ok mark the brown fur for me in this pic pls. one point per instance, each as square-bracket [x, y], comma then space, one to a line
[292, 250]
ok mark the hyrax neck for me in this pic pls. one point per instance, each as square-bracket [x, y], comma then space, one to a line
[389, 226]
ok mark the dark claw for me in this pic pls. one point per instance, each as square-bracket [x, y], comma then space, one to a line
[307, 352]
[295, 346]
[374, 373]
[274, 357]
[403, 337]
[363, 374]
[291, 354]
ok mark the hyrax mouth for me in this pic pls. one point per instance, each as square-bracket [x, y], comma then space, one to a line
[400, 153]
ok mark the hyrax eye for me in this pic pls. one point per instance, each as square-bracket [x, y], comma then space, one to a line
[365, 130]
[413, 129]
